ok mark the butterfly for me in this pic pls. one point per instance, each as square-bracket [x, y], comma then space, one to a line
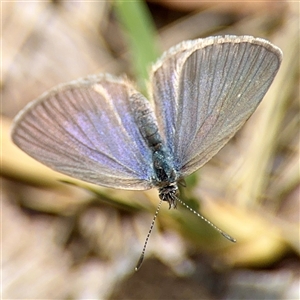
[100, 129]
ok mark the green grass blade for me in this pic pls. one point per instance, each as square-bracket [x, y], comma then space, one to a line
[138, 24]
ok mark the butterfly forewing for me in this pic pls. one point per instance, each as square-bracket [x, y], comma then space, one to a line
[214, 85]
[86, 129]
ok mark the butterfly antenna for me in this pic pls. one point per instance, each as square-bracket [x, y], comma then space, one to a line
[147, 238]
[227, 236]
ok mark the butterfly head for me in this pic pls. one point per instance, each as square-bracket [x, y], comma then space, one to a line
[169, 193]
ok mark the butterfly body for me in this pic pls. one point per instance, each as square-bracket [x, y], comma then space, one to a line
[165, 176]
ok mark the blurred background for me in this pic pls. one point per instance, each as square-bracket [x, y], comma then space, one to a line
[66, 239]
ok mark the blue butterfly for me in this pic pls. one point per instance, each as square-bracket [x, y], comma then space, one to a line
[100, 129]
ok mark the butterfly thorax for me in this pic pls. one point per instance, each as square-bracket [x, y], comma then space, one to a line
[165, 176]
